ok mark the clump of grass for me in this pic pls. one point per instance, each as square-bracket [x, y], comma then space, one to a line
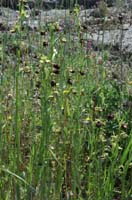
[103, 8]
[65, 120]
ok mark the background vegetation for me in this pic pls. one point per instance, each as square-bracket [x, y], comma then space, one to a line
[65, 118]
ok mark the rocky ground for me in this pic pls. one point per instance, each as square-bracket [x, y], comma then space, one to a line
[115, 33]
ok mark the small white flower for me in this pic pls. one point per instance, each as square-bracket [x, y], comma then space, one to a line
[54, 54]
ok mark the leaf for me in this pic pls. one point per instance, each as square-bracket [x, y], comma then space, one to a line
[126, 151]
[18, 177]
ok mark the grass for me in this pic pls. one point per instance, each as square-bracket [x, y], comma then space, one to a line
[65, 120]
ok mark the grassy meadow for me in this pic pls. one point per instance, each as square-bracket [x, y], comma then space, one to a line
[65, 116]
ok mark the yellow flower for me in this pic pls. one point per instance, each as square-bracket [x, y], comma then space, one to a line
[63, 40]
[130, 82]
[66, 91]
[44, 59]
[88, 119]
[9, 117]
